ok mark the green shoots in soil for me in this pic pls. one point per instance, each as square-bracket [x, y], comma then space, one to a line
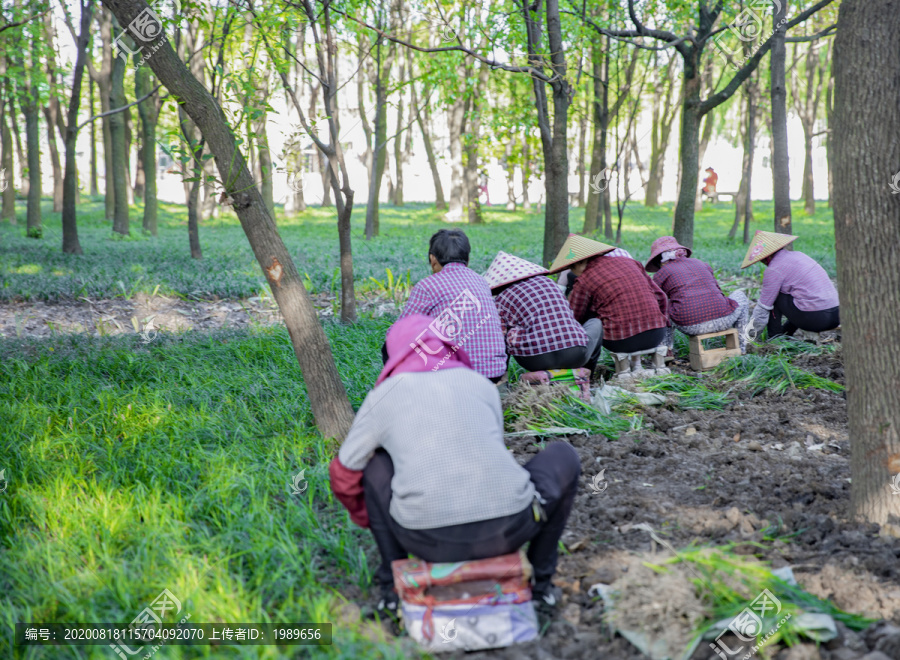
[691, 394]
[773, 373]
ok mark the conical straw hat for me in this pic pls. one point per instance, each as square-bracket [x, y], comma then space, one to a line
[577, 248]
[765, 243]
[508, 268]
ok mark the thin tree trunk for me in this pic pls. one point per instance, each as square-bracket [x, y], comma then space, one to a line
[510, 168]
[148, 112]
[683, 222]
[781, 175]
[742, 203]
[440, 203]
[7, 174]
[829, 136]
[457, 126]
[17, 135]
[705, 137]
[866, 218]
[470, 142]
[103, 78]
[327, 395]
[265, 156]
[600, 106]
[582, 148]
[95, 188]
[31, 110]
[397, 199]
[70, 243]
[119, 154]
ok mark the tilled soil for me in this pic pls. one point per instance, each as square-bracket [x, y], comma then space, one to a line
[769, 467]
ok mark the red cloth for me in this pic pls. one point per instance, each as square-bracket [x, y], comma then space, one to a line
[694, 294]
[621, 295]
[710, 182]
[346, 484]
[416, 343]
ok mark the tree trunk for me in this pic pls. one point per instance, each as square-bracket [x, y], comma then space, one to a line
[743, 205]
[103, 79]
[31, 110]
[6, 167]
[582, 148]
[397, 199]
[70, 243]
[457, 125]
[556, 149]
[510, 168]
[265, 156]
[705, 137]
[440, 204]
[683, 224]
[379, 149]
[52, 114]
[148, 112]
[526, 173]
[470, 146]
[781, 175]
[95, 188]
[598, 200]
[327, 395]
[829, 136]
[119, 154]
[17, 135]
[866, 218]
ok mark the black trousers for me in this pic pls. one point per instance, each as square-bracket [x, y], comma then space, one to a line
[554, 473]
[565, 358]
[643, 341]
[826, 319]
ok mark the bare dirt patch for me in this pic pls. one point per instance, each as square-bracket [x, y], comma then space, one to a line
[769, 467]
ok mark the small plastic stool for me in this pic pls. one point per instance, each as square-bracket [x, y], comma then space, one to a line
[578, 380]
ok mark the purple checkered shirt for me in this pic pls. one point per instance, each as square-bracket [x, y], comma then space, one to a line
[460, 301]
[694, 294]
[536, 318]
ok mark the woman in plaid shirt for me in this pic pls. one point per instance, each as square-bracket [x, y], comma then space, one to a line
[696, 303]
[631, 307]
[541, 332]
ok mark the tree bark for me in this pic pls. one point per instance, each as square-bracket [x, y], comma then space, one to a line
[743, 205]
[683, 225]
[70, 243]
[781, 175]
[7, 176]
[119, 154]
[439, 203]
[17, 135]
[95, 189]
[829, 136]
[866, 221]
[327, 395]
[664, 111]
[397, 199]
[31, 109]
[600, 106]
[53, 115]
[103, 78]
[149, 112]
[262, 145]
[457, 125]
[470, 147]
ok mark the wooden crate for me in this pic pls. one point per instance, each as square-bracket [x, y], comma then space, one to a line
[703, 359]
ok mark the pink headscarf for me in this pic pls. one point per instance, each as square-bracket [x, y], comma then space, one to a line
[413, 346]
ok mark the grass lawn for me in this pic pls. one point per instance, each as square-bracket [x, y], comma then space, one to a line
[37, 269]
[134, 469]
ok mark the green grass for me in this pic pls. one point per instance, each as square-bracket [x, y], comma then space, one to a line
[759, 373]
[135, 468]
[37, 269]
[691, 394]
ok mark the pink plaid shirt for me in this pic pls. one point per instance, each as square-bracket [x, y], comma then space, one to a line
[537, 319]
[464, 314]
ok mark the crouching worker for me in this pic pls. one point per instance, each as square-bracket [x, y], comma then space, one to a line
[459, 301]
[618, 292]
[541, 332]
[426, 469]
[696, 302]
[794, 285]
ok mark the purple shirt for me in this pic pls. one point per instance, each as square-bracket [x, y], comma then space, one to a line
[694, 295]
[799, 276]
[537, 319]
[464, 314]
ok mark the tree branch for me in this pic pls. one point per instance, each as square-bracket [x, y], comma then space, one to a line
[118, 110]
[9, 26]
[827, 32]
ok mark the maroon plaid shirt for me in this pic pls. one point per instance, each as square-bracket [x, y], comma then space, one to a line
[621, 295]
[536, 318]
[463, 309]
[694, 295]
